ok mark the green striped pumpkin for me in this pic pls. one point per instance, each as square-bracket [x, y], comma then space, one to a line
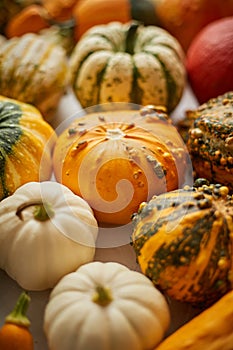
[183, 241]
[128, 63]
[34, 71]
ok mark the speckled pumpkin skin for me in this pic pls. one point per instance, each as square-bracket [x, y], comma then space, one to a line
[209, 135]
[183, 241]
[117, 159]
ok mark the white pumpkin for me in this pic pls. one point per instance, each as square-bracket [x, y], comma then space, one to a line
[46, 232]
[105, 306]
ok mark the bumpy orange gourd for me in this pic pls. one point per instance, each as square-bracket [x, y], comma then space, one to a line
[208, 131]
[26, 143]
[117, 159]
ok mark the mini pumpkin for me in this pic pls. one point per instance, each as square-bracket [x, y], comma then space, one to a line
[105, 306]
[183, 242]
[46, 232]
[35, 71]
[117, 159]
[185, 19]
[128, 63]
[26, 145]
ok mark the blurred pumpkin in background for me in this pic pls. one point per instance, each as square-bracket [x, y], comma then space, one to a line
[185, 18]
[209, 60]
[89, 13]
[9, 9]
[182, 18]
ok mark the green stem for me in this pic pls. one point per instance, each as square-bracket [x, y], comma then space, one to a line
[18, 315]
[102, 296]
[43, 212]
[131, 36]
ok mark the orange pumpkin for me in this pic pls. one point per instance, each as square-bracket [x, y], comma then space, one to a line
[83, 13]
[89, 13]
[185, 18]
[117, 159]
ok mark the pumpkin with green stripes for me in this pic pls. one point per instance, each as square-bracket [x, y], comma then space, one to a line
[26, 143]
[35, 71]
[183, 240]
[128, 63]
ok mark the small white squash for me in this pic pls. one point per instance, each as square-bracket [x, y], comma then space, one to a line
[105, 306]
[46, 232]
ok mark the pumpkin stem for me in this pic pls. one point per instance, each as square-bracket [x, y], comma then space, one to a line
[131, 37]
[18, 315]
[102, 296]
[43, 212]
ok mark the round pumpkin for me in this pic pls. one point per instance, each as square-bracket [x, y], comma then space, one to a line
[209, 70]
[105, 306]
[128, 63]
[26, 144]
[183, 242]
[34, 71]
[46, 232]
[117, 159]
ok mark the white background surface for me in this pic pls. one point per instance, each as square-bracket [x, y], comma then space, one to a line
[9, 290]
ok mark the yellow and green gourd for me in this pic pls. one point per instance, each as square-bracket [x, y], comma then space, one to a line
[183, 241]
[26, 143]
